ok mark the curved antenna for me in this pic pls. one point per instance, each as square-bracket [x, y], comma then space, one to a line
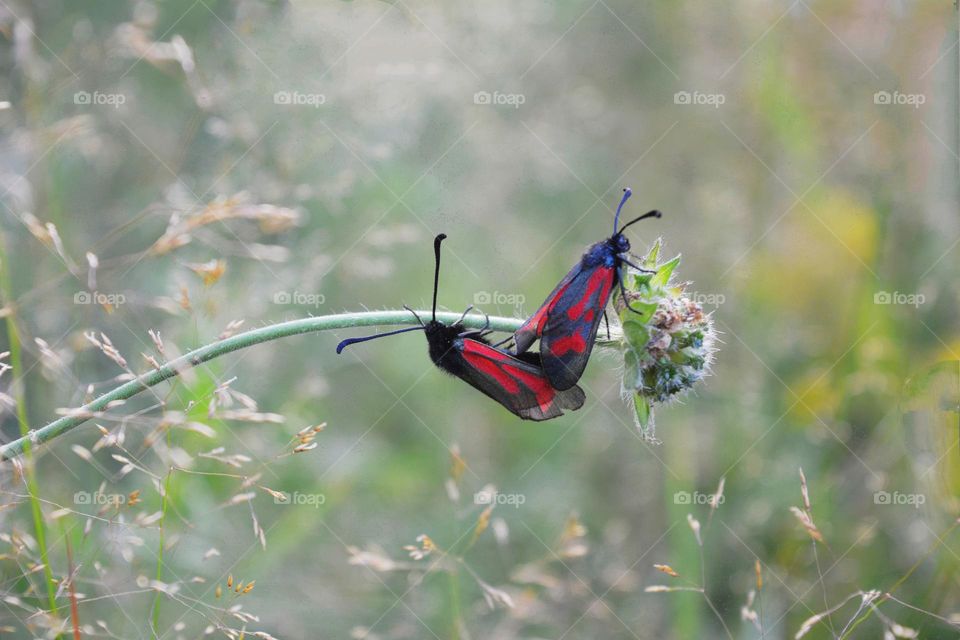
[415, 314]
[349, 341]
[627, 192]
[436, 270]
[649, 214]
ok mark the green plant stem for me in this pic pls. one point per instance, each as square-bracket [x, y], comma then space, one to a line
[454, 578]
[216, 349]
[19, 393]
[155, 618]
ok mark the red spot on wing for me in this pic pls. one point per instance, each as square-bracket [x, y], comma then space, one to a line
[538, 384]
[537, 320]
[574, 342]
[605, 290]
[499, 367]
[599, 279]
[479, 359]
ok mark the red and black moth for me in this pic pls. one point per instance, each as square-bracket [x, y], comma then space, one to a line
[515, 381]
[567, 321]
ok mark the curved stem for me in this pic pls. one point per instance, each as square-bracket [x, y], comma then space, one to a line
[240, 341]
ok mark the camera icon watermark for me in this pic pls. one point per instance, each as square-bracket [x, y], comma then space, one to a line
[896, 98]
[499, 99]
[300, 499]
[297, 99]
[686, 497]
[97, 297]
[98, 98]
[699, 98]
[896, 297]
[299, 298]
[487, 497]
[897, 498]
[98, 498]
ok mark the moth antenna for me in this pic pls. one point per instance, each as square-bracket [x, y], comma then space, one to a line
[346, 343]
[649, 214]
[436, 271]
[627, 192]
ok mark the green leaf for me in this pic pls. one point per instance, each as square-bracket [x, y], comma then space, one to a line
[631, 369]
[641, 281]
[635, 331]
[662, 277]
[650, 261]
[643, 314]
[643, 412]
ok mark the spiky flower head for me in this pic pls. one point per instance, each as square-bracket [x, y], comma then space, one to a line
[668, 345]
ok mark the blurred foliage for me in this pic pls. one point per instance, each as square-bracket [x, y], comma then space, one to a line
[178, 166]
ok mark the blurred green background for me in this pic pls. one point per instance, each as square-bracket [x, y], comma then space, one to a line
[227, 160]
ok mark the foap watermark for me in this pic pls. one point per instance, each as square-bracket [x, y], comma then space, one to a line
[98, 498]
[299, 298]
[99, 297]
[300, 499]
[495, 497]
[704, 298]
[897, 498]
[699, 98]
[496, 98]
[297, 99]
[499, 297]
[901, 99]
[685, 497]
[896, 297]
[98, 98]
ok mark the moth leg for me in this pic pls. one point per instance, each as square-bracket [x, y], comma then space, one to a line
[626, 301]
[465, 312]
[638, 268]
[504, 341]
[476, 332]
[414, 314]
[607, 322]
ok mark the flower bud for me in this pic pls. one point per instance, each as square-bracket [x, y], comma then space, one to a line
[668, 341]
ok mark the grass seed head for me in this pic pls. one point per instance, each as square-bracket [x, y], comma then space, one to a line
[427, 546]
[209, 272]
[667, 569]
